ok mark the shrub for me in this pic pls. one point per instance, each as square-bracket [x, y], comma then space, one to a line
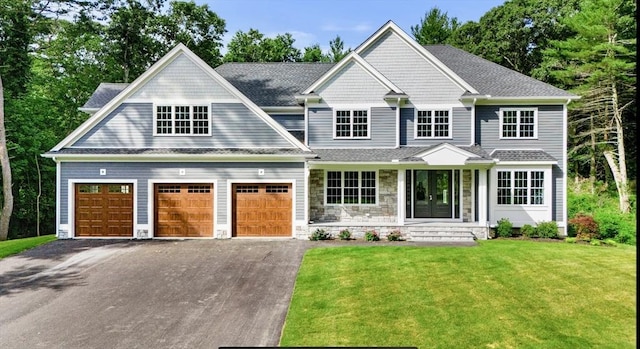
[610, 242]
[547, 230]
[505, 228]
[371, 235]
[571, 240]
[626, 238]
[395, 235]
[344, 234]
[320, 234]
[528, 230]
[595, 242]
[612, 223]
[584, 227]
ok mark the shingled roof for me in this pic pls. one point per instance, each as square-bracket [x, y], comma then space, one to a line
[105, 92]
[492, 79]
[521, 155]
[402, 154]
[272, 84]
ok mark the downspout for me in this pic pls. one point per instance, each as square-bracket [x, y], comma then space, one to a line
[473, 122]
[306, 123]
[564, 164]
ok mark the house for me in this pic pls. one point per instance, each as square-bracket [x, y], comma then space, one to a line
[432, 141]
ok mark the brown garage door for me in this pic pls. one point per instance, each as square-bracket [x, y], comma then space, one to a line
[104, 210]
[184, 210]
[262, 209]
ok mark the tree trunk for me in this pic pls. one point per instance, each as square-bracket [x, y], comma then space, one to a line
[592, 156]
[619, 167]
[38, 197]
[7, 204]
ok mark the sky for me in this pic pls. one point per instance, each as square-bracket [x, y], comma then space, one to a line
[319, 21]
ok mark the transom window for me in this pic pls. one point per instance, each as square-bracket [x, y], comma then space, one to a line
[351, 187]
[433, 124]
[352, 124]
[182, 120]
[518, 123]
[520, 187]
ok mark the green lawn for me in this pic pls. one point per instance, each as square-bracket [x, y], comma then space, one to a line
[10, 247]
[500, 294]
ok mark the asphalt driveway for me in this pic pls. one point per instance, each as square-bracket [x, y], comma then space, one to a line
[148, 294]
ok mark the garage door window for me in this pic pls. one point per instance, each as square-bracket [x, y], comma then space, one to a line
[168, 189]
[89, 189]
[203, 189]
[247, 189]
[277, 189]
[119, 189]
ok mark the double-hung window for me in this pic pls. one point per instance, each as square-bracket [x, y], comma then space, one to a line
[520, 187]
[182, 120]
[351, 187]
[518, 123]
[433, 124]
[352, 123]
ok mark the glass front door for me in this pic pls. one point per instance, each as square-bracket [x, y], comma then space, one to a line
[429, 193]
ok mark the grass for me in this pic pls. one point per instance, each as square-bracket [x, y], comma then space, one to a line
[501, 294]
[11, 247]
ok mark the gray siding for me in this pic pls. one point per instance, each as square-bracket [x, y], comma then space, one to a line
[487, 126]
[290, 122]
[182, 80]
[411, 72]
[460, 124]
[233, 125]
[351, 85]
[144, 171]
[382, 130]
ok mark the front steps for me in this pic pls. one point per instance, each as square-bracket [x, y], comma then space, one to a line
[439, 235]
[423, 232]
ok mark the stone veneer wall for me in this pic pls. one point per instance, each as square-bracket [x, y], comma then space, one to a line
[466, 196]
[385, 211]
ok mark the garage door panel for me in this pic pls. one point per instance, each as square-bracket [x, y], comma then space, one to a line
[262, 209]
[184, 210]
[104, 210]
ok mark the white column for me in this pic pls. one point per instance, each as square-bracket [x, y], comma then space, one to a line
[482, 197]
[401, 196]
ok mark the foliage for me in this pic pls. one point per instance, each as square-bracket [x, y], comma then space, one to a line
[11, 247]
[253, 46]
[595, 242]
[320, 234]
[337, 50]
[314, 53]
[367, 292]
[395, 235]
[571, 240]
[434, 28]
[504, 228]
[528, 230]
[547, 230]
[371, 235]
[609, 242]
[344, 234]
[584, 227]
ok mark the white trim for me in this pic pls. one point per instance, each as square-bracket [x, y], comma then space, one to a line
[359, 171]
[397, 125]
[518, 110]
[351, 111]
[368, 68]
[565, 200]
[292, 110]
[473, 123]
[449, 147]
[178, 157]
[433, 123]
[402, 201]
[473, 195]
[518, 100]
[71, 200]
[58, 202]
[482, 197]
[153, 71]
[230, 184]
[151, 200]
[306, 123]
[420, 50]
[173, 119]
[307, 173]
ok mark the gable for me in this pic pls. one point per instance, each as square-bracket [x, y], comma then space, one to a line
[352, 84]
[446, 155]
[419, 78]
[182, 79]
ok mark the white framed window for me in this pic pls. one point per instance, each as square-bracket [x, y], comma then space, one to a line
[351, 187]
[432, 123]
[518, 123]
[520, 187]
[351, 123]
[182, 120]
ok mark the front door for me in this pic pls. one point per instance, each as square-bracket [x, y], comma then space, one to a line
[430, 193]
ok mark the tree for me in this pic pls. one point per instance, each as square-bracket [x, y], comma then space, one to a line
[253, 46]
[314, 53]
[435, 28]
[7, 195]
[598, 63]
[336, 49]
[15, 37]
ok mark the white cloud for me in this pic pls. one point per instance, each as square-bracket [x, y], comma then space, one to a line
[359, 28]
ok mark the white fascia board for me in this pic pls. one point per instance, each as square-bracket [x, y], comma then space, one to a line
[88, 110]
[283, 110]
[540, 100]
[176, 157]
[153, 71]
[353, 57]
[449, 147]
[526, 163]
[419, 49]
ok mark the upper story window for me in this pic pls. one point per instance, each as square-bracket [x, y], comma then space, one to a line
[351, 123]
[182, 120]
[433, 124]
[518, 123]
[520, 188]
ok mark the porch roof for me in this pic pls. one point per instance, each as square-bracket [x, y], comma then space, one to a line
[522, 155]
[381, 155]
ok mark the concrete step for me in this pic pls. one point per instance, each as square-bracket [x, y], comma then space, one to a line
[439, 235]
